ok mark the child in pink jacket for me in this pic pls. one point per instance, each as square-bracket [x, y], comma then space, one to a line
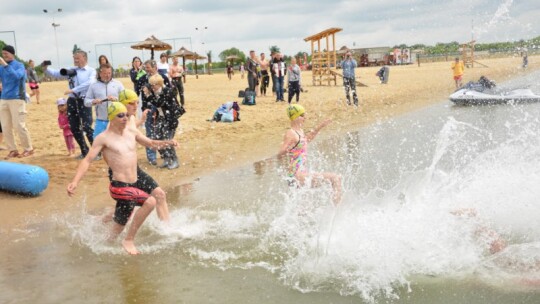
[63, 123]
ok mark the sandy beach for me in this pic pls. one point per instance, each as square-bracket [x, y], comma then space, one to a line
[206, 147]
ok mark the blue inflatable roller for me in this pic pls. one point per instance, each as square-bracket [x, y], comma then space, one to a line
[22, 178]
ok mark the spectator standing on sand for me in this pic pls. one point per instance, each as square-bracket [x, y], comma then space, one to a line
[294, 80]
[136, 73]
[33, 80]
[80, 117]
[272, 72]
[525, 60]
[230, 70]
[168, 111]
[242, 69]
[163, 64]
[265, 78]
[150, 125]
[63, 123]
[251, 66]
[102, 59]
[176, 72]
[100, 94]
[458, 69]
[1, 134]
[280, 70]
[349, 78]
[13, 103]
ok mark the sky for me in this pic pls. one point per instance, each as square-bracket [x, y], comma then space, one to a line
[110, 27]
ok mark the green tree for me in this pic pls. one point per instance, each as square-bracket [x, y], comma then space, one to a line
[274, 49]
[232, 52]
[76, 48]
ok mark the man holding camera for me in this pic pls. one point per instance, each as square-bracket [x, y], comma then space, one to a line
[349, 78]
[100, 94]
[13, 103]
[80, 117]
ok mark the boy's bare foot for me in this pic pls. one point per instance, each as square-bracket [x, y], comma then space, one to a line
[129, 246]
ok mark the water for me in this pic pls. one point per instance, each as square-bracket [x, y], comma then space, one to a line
[243, 236]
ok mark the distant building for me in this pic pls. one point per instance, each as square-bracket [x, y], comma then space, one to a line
[370, 56]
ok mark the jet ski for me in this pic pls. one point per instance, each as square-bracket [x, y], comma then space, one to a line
[484, 92]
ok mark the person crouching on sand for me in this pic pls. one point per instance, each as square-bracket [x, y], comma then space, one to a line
[295, 144]
[118, 146]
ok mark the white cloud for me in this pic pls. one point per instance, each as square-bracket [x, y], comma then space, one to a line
[258, 25]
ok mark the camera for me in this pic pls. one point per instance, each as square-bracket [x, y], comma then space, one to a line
[68, 72]
[46, 62]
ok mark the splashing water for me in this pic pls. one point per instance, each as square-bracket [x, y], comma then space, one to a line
[419, 204]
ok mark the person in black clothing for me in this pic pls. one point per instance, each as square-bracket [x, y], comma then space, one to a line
[136, 73]
[265, 78]
[151, 69]
[79, 76]
[251, 67]
[168, 111]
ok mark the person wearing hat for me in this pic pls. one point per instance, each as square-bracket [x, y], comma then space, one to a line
[13, 103]
[118, 144]
[295, 144]
[63, 123]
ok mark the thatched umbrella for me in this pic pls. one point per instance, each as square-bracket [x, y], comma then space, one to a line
[152, 43]
[183, 52]
[195, 56]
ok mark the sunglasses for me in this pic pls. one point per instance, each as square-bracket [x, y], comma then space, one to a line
[121, 115]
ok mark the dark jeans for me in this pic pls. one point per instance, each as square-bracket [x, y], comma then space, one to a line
[166, 132]
[150, 133]
[350, 85]
[274, 83]
[179, 87]
[80, 123]
[294, 89]
[279, 88]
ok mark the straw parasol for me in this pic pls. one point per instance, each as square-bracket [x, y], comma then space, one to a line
[184, 53]
[152, 43]
[231, 57]
[195, 56]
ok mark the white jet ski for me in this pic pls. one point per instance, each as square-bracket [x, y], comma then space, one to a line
[469, 96]
[484, 91]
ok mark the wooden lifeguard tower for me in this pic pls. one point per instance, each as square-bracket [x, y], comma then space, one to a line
[467, 54]
[322, 61]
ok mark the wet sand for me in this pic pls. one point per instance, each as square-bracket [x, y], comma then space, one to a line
[206, 147]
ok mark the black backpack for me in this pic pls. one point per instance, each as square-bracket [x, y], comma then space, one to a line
[249, 98]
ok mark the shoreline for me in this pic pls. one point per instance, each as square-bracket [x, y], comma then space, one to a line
[207, 147]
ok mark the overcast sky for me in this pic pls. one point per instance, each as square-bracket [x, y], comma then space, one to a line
[255, 24]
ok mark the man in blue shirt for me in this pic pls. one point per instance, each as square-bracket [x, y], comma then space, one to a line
[13, 103]
[349, 79]
[80, 117]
